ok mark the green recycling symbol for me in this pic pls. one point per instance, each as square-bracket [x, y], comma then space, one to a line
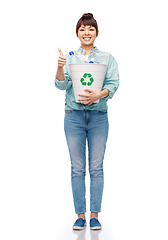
[85, 77]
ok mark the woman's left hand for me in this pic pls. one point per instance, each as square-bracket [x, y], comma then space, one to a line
[89, 98]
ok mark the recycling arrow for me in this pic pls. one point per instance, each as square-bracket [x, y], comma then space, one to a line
[85, 76]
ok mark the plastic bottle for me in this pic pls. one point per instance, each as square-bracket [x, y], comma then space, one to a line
[94, 58]
[73, 58]
[104, 59]
[82, 58]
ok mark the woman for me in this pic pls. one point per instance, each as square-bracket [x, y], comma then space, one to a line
[86, 120]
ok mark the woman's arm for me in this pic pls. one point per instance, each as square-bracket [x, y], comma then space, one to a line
[60, 74]
[61, 62]
[62, 78]
[111, 81]
[93, 96]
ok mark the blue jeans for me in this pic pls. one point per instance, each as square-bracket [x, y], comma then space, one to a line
[79, 126]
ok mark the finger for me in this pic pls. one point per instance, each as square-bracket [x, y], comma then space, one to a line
[83, 99]
[61, 54]
[83, 95]
[62, 57]
[61, 61]
[86, 103]
[88, 90]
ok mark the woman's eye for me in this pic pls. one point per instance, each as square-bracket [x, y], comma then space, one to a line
[91, 29]
[81, 29]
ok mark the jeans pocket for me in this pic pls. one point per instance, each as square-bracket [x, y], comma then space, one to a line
[102, 112]
[69, 111]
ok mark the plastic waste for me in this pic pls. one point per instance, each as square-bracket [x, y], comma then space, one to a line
[94, 57]
[104, 59]
[80, 58]
[97, 59]
[73, 58]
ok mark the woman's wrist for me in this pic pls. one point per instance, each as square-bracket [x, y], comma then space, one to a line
[60, 74]
[104, 93]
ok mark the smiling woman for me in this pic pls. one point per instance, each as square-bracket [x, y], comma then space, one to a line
[87, 31]
[87, 20]
[87, 119]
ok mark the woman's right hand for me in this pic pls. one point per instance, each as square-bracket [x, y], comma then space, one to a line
[61, 59]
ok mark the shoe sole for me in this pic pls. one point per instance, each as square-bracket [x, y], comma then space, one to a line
[79, 228]
[96, 228]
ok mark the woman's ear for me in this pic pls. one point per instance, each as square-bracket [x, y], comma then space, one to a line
[77, 33]
[97, 34]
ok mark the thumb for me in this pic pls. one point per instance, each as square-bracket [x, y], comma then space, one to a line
[61, 54]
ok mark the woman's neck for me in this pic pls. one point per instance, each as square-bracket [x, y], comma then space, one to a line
[87, 48]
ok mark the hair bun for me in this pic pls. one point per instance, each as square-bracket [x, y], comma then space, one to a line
[87, 15]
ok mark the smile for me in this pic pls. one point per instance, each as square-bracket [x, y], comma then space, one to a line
[87, 38]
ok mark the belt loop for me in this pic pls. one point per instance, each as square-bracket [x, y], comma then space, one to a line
[90, 115]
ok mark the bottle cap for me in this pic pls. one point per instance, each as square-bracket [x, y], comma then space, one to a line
[71, 53]
[91, 62]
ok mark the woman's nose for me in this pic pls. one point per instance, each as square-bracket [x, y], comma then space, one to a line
[86, 32]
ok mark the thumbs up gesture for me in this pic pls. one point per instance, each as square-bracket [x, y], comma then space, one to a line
[61, 59]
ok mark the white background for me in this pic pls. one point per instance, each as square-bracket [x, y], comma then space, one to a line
[35, 188]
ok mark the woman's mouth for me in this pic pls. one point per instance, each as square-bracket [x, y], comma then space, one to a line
[87, 38]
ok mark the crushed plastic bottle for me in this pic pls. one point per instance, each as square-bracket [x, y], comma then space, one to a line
[94, 58]
[73, 58]
[82, 58]
[104, 59]
[99, 59]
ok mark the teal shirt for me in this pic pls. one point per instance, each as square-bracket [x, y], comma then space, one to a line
[111, 82]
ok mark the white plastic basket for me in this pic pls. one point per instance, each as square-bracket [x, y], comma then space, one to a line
[87, 76]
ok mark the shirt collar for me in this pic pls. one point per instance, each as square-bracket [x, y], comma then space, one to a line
[95, 49]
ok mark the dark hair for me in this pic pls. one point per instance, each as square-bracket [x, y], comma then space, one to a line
[87, 19]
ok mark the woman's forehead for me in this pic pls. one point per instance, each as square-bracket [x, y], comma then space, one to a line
[86, 26]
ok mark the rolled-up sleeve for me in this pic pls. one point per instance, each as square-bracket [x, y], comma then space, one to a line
[111, 81]
[66, 83]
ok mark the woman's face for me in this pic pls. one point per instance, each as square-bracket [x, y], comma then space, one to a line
[87, 35]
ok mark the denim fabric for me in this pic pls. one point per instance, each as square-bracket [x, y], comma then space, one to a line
[79, 126]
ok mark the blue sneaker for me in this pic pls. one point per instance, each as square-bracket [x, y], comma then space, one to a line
[79, 224]
[94, 224]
